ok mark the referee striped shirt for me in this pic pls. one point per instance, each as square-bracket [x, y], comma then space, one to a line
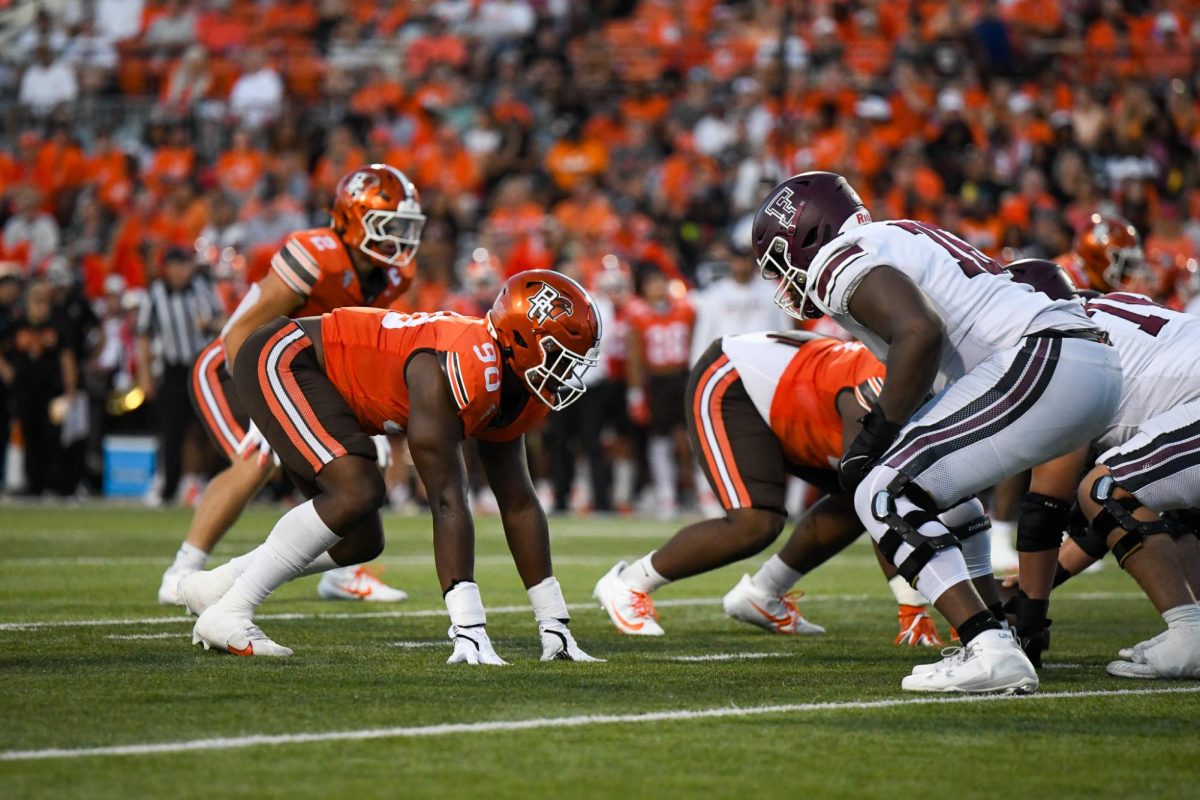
[180, 320]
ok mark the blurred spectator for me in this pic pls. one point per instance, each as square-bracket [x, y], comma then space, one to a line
[118, 20]
[31, 226]
[737, 301]
[188, 82]
[257, 95]
[180, 316]
[173, 29]
[48, 83]
[10, 297]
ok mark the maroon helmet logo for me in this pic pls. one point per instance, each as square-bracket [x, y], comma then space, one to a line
[783, 209]
[548, 304]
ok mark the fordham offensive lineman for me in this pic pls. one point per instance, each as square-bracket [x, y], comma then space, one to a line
[319, 387]
[1004, 364]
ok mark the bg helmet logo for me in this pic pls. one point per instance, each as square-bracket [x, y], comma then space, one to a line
[359, 182]
[783, 209]
[548, 304]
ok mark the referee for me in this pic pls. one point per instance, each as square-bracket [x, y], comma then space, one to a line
[180, 315]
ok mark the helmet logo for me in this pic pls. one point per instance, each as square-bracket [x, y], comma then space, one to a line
[548, 304]
[359, 181]
[783, 209]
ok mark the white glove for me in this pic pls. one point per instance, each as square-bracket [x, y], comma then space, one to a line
[472, 646]
[255, 445]
[383, 451]
[559, 645]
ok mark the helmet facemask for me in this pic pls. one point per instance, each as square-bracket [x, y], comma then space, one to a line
[393, 237]
[1125, 264]
[792, 294]
[558, 380]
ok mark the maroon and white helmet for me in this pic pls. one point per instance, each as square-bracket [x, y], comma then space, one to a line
[798, 218]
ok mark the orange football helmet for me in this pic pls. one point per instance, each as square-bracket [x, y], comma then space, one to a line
[548, 330]
[376, 210]
[1111, 251]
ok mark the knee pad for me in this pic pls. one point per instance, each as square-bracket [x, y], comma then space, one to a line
[1118, 513]
[904, 528]
[1090, 542]
[1043, 520]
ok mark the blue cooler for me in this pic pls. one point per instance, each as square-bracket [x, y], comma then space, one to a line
[129, 463]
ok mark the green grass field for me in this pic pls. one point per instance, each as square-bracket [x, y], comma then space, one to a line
[89, 660]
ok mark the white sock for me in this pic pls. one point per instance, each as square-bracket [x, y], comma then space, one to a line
[905, 595]
[190, 557]
[465, 605]
[776, 577]
[623, 474]
[1185, 616]
[547, 601]
[325, 563]
[295, 542]
[660, 452]
[641, 576]
[322, 563]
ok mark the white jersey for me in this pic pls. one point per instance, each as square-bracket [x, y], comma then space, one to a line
[727, 308]
[1160, 358]
[983, 310]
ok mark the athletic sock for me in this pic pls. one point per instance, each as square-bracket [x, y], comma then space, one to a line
[325, 563]
[1185, 616]
[983, 621]
[547, 601]
[776, 577]
[905, 595]
[322, 563]
[641, 576]
[465, 605]
[189, 557]
[295, 542]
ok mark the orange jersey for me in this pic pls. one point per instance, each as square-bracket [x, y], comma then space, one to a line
[316, 265]
[795, 389]
[367, 351]
[666, 333]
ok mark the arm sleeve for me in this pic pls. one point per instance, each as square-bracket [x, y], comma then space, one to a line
[296, 267]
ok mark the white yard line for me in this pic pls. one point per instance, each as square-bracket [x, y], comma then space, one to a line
[396, 561]
[164, 635]
[675, 715]
[422, 644]
[441, 612]
[729, 657]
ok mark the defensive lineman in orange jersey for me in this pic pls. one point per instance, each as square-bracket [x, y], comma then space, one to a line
[761, 406]
[364, 258]
[319, 386]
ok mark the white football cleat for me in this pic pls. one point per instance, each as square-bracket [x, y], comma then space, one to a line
[1173, 654]
[632, 612]
[239, 636]
[775, 613]
[200, 590]
[357, 583]
[473, 646]
[992, 662]
[168, 590]
[559, 645]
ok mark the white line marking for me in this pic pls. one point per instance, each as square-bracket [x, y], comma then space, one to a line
[676, 715]
[420, 645]
[146, 636]
[441, 612]
[1048, 665]
[727, 657]
[389, 561]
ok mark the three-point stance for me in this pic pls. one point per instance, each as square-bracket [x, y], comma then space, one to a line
[1005, 365]
[318, 387]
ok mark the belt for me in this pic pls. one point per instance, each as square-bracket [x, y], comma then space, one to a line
[1087, 334]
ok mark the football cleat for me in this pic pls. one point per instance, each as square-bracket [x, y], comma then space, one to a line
[472, 646]
[200, 590]
[632, 612]
[992, 662]
[239, 636]
[775, 613]
[168, 590]
[917, 628]
[559, 645]
[357, 583]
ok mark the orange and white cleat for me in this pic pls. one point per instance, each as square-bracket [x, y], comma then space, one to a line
[775, 613]
[357, 583]
[218, 630]
[917, 628]
[632, 612]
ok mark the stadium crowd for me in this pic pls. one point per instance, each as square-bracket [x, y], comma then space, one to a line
[625, 143]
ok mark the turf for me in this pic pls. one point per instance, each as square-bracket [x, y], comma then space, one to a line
[74, 686]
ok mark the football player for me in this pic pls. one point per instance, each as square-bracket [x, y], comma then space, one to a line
[761, 406]
[1004, 365]
[657, 348]
[1149, 465]
[365, 258]
[319, 387]
[1107, 256]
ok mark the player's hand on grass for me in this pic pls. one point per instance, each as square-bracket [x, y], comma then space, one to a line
[472, 646]
[559, 645]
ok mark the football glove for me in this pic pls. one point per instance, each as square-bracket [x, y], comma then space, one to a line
[472, 646]
[916, 628]
[559, 645]
[383, 451]
[872, 442]
[255, 445]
